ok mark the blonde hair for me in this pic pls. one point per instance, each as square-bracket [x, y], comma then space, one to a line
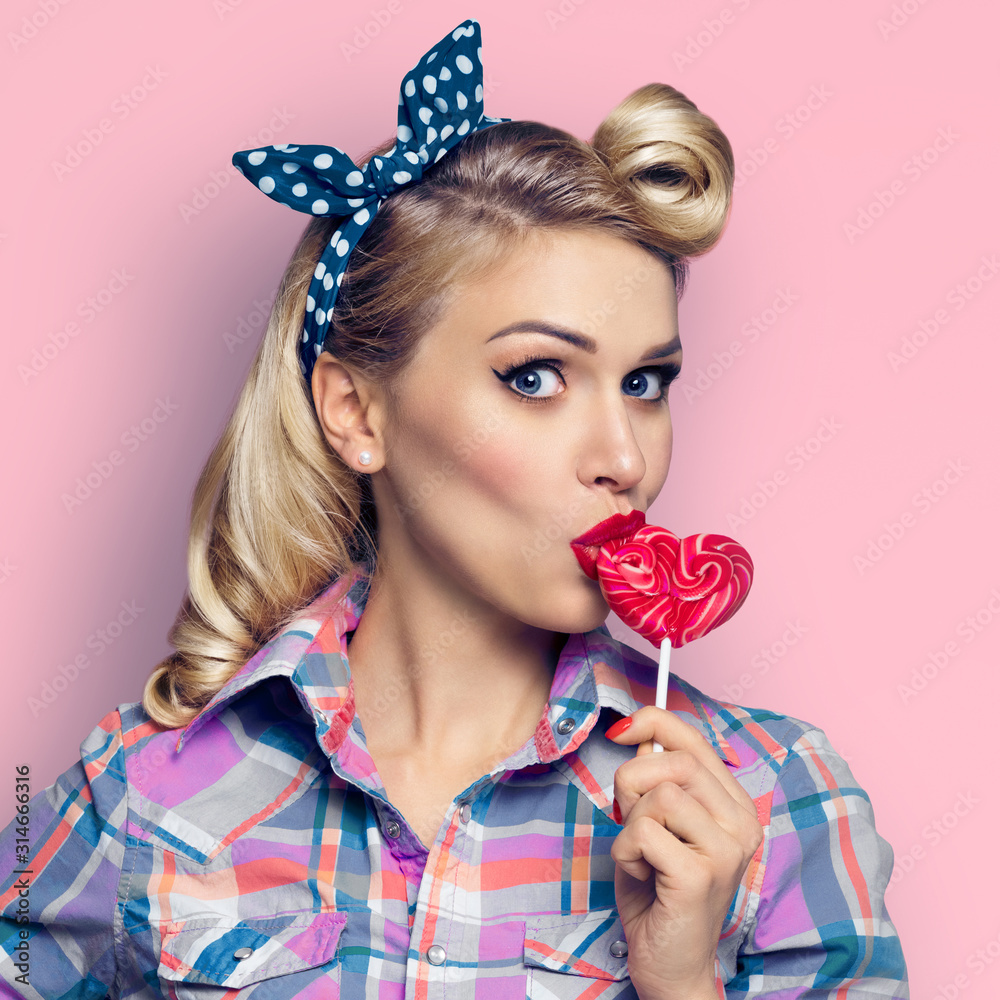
[276, 514]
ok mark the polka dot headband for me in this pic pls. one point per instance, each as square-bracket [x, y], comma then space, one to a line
[440, 101]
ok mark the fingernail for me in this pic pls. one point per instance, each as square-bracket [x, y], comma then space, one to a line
[616, 812]
[619, 727]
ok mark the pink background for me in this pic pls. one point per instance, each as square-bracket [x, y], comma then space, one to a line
[886, 80]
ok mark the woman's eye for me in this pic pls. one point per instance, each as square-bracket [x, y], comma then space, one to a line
[540, 380]
[639, 384]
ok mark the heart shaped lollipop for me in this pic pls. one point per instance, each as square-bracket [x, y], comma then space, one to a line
[668, 589]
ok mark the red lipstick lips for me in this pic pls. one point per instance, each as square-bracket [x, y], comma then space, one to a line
[586, 546]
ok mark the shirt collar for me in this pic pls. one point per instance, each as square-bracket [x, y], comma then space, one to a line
[594, 671]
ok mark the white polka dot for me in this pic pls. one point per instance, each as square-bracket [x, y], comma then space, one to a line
[354, 178]
[320, 270]
[445, 73]
[461, 101]
[425, 115]
[299, 190]
[335, 238]
[320, 316]
[430, 84]
[479, 93]
[479, 55]
[317, 349]
[464, 127]
[402, 176]
[411, 156]
[431, 134]
[289, 168]
[328, 281]
[424, 155]
[400, 101]
[256, 158]
[464, 63]
[441, 104]
[323, 162]
[432, 56]
[305, 335]
[342, 247]
[340, 278]
[440, 153]
[457, 33]
[310, 303]
[361, 216]
[266, 184]
[320, 207]
[410, 88]
[378, 163]
[404, 133]
[354, 202]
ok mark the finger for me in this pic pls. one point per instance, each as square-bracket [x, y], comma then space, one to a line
[645, 848]
[652, 723]
[682, 770]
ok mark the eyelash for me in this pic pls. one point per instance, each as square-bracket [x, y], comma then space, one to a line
[667, 373]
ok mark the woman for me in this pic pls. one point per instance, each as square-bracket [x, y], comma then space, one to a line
[396, 742]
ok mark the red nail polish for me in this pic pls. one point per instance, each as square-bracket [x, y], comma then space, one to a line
[619, 727]
[616, 812]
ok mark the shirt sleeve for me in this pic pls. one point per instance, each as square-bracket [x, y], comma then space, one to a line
[64, 853]
[821, 929]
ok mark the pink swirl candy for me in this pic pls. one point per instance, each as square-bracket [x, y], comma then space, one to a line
[663, 586]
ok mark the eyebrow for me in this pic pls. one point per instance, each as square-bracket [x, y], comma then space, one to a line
[577, 339]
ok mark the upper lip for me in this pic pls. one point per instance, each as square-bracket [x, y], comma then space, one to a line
[615, 526]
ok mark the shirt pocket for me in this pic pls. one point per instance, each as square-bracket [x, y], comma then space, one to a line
[570, 956]
[204, 958]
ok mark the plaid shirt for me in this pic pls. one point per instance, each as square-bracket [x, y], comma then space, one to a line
[255, 852]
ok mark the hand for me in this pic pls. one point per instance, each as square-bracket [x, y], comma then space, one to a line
[690, 832]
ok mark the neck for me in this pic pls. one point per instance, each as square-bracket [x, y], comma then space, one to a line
[440, 674]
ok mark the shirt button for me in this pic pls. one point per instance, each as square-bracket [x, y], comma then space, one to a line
[436, 954]
[619, 949]
[566, 726]
[392, 829]
[466, 812]
[242, 953]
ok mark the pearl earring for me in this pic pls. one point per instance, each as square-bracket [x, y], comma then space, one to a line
[365, 458]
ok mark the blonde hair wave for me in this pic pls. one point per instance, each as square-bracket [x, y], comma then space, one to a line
[276, 515]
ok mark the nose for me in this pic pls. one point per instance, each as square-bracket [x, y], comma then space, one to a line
[610, 454]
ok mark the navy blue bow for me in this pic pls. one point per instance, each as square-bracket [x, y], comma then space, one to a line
[440, 101]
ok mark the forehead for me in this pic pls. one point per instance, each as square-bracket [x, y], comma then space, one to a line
[591, 280]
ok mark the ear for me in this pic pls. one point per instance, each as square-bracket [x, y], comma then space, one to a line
[350, 412]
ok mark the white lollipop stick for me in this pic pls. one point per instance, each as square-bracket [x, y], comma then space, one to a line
[662, 679]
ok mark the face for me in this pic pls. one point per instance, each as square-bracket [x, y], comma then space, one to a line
[509, 440]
